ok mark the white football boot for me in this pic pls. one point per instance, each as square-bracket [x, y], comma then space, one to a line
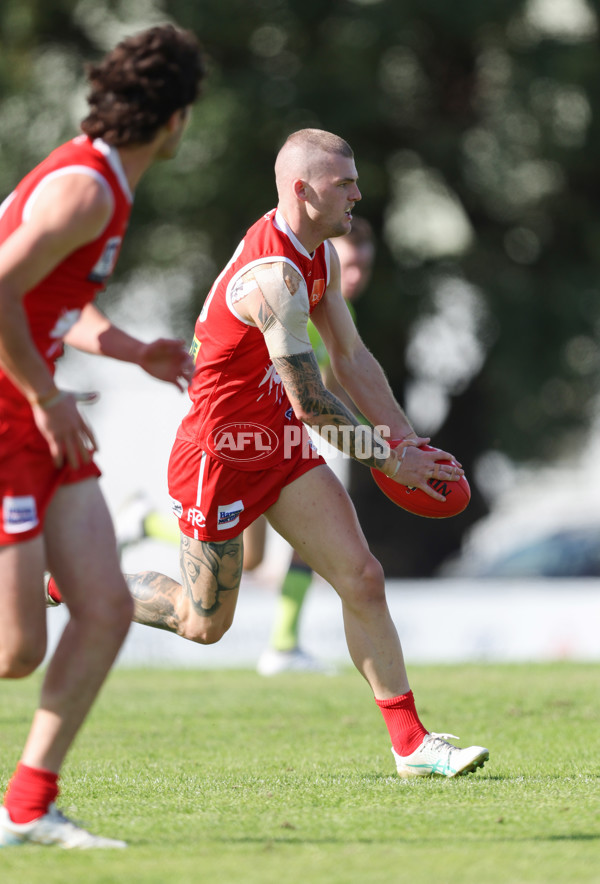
[436, 757]
[273, 662]
[51, 828]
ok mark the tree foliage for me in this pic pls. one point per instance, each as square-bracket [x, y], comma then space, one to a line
[476, 140]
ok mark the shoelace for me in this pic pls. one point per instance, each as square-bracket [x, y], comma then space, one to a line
[441, 738]
[58, 816]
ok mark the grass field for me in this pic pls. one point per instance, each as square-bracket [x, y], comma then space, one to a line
[222, 776]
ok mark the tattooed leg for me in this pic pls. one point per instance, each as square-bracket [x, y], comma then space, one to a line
[154, 596]
[201, 607]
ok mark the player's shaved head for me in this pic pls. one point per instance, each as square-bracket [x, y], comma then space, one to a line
[304, 154]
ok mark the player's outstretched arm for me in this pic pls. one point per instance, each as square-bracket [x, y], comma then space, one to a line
[165, 359]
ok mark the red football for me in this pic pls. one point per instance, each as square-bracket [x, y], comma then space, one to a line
[413, 500]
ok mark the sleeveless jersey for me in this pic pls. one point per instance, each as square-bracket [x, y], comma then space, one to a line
[54, 305]
[240, 412]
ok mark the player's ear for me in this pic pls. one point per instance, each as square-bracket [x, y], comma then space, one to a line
[300, 189]
[177, 118]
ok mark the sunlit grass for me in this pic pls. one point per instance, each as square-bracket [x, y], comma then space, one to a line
[224, 776]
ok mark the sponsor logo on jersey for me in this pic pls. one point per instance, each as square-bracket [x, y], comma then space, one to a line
[105, 265]
[194, 349]
[228, 515]
[19, 514]
[63, 324]
[318, 289]
[195, 517]
[242, 441]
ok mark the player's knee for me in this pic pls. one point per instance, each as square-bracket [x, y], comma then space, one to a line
[111, 611]
[121, 612]
[124, 612]
[21, 661]
[374, 578]
[367, 585]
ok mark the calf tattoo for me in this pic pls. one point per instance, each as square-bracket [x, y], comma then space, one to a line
[154, 594]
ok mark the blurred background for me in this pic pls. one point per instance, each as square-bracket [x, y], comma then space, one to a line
[476, 132]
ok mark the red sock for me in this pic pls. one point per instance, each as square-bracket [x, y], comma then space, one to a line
[29, 793]
[53, 590]
[402, 721]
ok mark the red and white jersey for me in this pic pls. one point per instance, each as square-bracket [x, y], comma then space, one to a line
[240, 409]
[54, 305]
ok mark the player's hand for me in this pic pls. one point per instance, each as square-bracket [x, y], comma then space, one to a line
[410, 439]
[168, 360]
[68, 436]
[418, 467]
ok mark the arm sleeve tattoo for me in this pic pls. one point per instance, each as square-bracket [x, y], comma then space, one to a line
[302, 380]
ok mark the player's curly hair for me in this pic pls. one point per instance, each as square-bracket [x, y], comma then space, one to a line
[141, 83]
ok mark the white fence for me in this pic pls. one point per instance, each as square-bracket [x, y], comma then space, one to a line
[441, 621]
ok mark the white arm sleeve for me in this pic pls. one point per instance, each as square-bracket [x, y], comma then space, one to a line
[286, 295]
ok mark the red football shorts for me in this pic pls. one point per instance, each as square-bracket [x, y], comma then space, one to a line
[28, 480]
[214, 501]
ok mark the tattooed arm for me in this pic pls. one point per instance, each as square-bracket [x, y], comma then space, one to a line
[274, 297]
[314, 404]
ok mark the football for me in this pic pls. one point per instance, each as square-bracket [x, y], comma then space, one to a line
[413, 500]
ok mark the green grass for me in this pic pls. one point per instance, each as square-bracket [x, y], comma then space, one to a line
[223, 776]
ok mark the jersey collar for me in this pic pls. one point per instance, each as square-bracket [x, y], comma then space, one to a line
[114, 161]
[282, 225]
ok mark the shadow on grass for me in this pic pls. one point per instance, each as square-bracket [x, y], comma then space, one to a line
[293, 841]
